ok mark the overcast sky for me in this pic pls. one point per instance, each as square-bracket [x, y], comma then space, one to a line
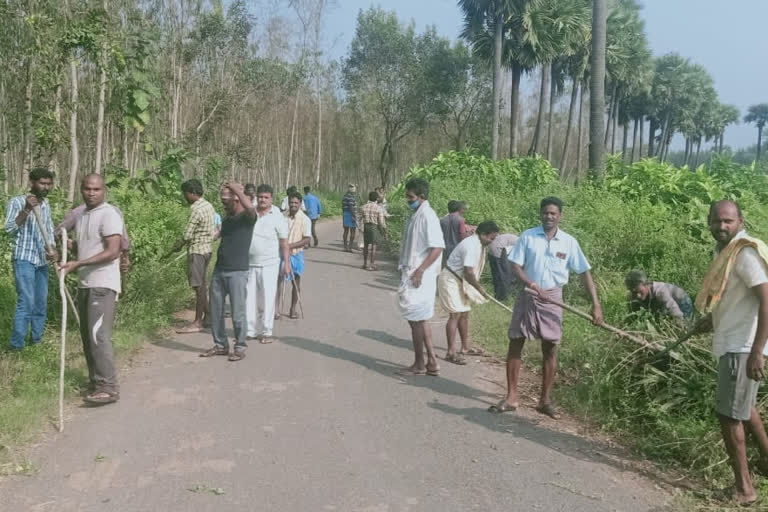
[725, 37]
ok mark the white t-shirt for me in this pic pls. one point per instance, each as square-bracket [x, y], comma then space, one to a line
[735, 317]
[91, 230]
[265, 242]
[466, 254]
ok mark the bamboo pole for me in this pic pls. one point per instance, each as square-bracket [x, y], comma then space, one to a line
[63, 350]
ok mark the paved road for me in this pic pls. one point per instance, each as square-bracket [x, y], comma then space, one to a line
[317, 422]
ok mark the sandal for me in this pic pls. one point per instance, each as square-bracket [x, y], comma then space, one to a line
[293, 316]
[237, 355]
[189, 330]
[502, 407]
[215, 351]
[102, 397]
[410, 372]
[474, 352]
[455, 359]
[266, 340]
[433, 373]
[548, 410]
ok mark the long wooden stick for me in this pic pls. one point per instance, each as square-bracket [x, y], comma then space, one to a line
[298, 294]
[49, 244]
[63, 356]
[587, 316]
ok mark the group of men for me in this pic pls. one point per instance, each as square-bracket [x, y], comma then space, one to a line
[101, 244]
[372, 216]
[261, 249]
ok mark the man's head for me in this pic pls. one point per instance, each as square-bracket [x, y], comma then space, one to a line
[192, 190]
[373, 196]
[381, 194]
[294, 202]
[416, 192]
[250, 190]
[487, 232]
[307, 190]
[93, 190]
[550, 211]
[264, 195]
[229, 200]
[40, 181]
[351, 188]
[725, 221]
[638, 285]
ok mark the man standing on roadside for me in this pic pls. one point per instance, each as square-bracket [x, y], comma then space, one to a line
[349, 217]
[70, 221]
[230, 275]
[735, 293]
[501, 267]
[198, 237]
[98, 233]
[454, 227]
[314, 210]
[374, 226]
[28, 256]
[419, 265]
[542, 260]
[299, 237]
[267, 243]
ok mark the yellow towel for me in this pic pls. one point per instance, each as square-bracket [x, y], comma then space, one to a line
[296, 227]
[713, 287]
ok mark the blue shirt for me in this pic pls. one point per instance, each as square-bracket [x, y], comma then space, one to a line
[313, 206]
[547, 262]
[28, 244]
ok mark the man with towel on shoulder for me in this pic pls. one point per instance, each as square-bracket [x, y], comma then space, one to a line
[299, 238]
[458, 287]
[542, 260]
[419, 265]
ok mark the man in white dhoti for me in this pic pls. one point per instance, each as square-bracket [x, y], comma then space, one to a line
[419, 265]
[458, 287]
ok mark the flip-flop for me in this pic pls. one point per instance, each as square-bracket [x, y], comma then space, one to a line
[474, 352]
[266, 340]
[189, 330]
[548, 410]
[408, 372]
[455, 359]
[433, 373]
[502, 407]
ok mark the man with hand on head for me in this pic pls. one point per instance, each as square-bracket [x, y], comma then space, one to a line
[28, 256]
[230, 275]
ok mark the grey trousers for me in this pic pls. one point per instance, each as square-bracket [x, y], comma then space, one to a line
[232, 284]
[97, 314]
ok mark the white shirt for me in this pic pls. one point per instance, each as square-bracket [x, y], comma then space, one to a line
[93, 227]
[466, 254]
[265, 242]
[422, 232]
[735, 317]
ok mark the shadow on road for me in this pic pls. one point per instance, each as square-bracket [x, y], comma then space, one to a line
[388, 369]
[385, 337]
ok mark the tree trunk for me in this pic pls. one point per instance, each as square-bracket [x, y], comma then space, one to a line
[615, 125]
[569, 124]
[759, 142]
[687, 150]
[580, 137]
[642, 127]
[634, 142]
[53, 162]
[293, 138]
[545, 75]
[552, 98]
[624, 135]
[514, 114]
[597, 91]
[100, 116]
[665, 129]
[652, 137]
[720, 149]
[27, 164]
[319, 132]
[4, 141]
[498, 42]
[74, 161]
[611, 115]
[698, 152]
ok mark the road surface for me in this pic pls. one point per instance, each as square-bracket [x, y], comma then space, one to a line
[318, 421]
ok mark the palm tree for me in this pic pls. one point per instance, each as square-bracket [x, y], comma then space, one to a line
[481, 16]
[597, 91]
[727, 115]
[758, 114]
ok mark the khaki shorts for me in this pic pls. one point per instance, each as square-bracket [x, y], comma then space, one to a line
[197, 269]
[736, 393]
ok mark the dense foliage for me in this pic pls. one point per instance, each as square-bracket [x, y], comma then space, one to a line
[649, 216]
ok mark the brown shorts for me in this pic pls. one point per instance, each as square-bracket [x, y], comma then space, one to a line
[197, 269]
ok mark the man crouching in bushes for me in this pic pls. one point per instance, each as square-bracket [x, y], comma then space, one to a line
[735, 292]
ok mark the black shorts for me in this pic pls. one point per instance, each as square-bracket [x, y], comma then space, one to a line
[371, 234]
[197, 269]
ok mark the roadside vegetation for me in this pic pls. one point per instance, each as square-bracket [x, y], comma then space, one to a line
[649, 216]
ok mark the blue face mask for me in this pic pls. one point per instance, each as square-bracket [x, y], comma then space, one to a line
[414, 205]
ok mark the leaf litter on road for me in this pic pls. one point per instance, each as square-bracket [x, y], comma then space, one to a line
[206, 489]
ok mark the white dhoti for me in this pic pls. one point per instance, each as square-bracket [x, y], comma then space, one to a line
[451, 296]
[260, 301]
[418, 304]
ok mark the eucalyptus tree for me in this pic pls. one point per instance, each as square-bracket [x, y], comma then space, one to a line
[758, 115]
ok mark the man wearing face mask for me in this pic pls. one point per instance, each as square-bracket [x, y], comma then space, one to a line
[29, 256]
[419, 266]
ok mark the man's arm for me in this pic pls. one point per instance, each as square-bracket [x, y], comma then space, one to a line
[111, 252]
[286, 252]
[471, 278]
[188, 232]
[237, 189]
[522, 277]
[434, 254]
[15, 216]
[756, 362]
[589, 286]
[301, 243]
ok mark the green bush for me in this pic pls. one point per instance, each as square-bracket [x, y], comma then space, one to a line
[647, 215]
